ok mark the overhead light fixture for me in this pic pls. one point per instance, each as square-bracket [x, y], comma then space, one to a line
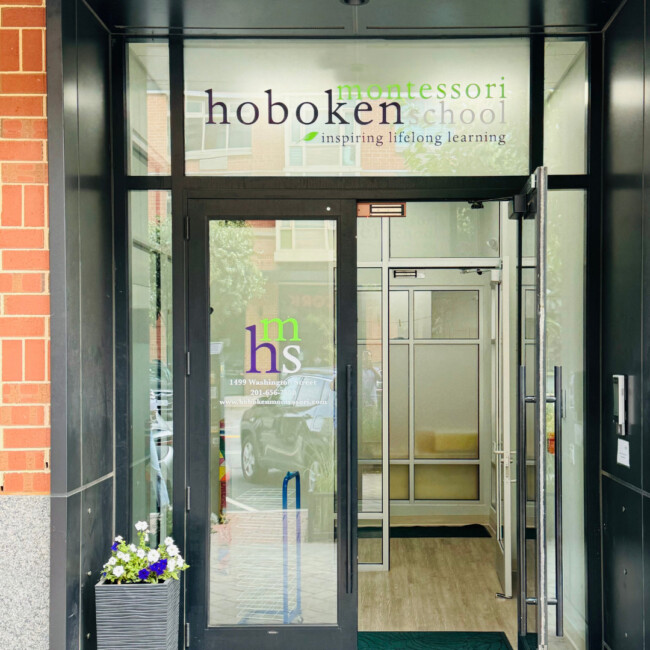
[355, 3]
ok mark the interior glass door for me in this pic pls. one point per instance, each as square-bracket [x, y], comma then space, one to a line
[270, 426]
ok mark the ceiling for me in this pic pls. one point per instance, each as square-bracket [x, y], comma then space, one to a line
[331, 18]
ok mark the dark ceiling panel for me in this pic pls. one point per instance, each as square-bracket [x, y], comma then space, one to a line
[333, 18]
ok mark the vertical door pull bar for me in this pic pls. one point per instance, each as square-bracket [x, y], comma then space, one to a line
[559, 569]
[521, 502]
[348, 452]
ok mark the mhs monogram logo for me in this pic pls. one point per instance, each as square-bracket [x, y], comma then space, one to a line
[291, 353]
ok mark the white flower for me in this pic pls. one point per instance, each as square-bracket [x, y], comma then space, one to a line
[171, 565]
[180, 561]
[112, 561]
[133, 548]
[119, 538]
[153, 555]
[142, 526]
[172, 550]
[140, 553]
[168, 541]
[118, 571]
[125, 557]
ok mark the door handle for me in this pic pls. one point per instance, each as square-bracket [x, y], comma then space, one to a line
[349, 578]
[522, 501]
[559, 569]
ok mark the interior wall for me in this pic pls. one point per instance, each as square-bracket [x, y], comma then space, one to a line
[81, 239]
[626, 338]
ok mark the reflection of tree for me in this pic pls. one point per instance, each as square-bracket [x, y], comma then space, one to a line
[160, 256]
[554, 287]
[235, 280]
[320, 351]
[464, 159]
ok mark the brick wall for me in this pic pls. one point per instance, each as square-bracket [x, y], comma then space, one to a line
[24, 262]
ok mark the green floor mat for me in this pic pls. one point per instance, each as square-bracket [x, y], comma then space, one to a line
[433, 641]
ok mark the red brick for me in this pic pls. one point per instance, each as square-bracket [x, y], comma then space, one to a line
[27, 483]
[26, 393]
[26, 150]
[26, 305]
[21, 238]
[35, 360]
[33, 50]
[23, 129]
[12, 360]
[13, 172]
[12, 205]
[21, 460]
[38, 3]
[19, 327]
[32, 437]
[21, 106]
[17, 415]
[25, 260]
[23, 84]
[23, 17]
[22, 282]
[34, 210]
[9, 49]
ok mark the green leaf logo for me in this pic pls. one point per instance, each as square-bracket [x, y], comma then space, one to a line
[310, 136]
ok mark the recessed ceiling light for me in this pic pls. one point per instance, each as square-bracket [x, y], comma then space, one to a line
[355, 3]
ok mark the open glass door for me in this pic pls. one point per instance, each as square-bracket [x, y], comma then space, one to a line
[271, 455]
[539, 426]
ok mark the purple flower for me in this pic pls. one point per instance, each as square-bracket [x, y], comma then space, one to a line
[159, 567]
[143, 574]
[114, 547]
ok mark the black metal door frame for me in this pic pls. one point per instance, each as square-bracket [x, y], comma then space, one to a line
[343, 635]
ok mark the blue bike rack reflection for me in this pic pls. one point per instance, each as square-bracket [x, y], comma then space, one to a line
[295, 614]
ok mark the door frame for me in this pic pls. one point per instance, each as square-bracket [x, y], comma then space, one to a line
[354, 189]
[200, 212]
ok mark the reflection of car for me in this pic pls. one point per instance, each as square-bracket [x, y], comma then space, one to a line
[161, 453]
[162, 386]
[292, 430]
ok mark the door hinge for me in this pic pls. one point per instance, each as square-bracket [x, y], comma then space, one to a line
[187, 635]
[186, 227]
[187, 498]
[187, 364]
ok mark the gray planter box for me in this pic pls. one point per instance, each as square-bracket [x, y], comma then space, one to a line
[137, 616]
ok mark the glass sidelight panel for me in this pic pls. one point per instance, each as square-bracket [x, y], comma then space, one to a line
[398, 401]
[445, 314]
[398, 310]
[446, 482]
[147, 93]
[273, 552]
[152, 434]
[436, 229]
[399, 482]
[446, 414]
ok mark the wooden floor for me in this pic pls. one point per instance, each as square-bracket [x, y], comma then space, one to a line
[437, 584]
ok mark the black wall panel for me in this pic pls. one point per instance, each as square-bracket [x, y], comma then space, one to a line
[96, 250]
[622, 219]
[97, 501]
[81, 248]
[625, 342]
[622, 566]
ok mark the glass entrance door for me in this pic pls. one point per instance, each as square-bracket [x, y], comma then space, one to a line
[551, 290]
[271, 425]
